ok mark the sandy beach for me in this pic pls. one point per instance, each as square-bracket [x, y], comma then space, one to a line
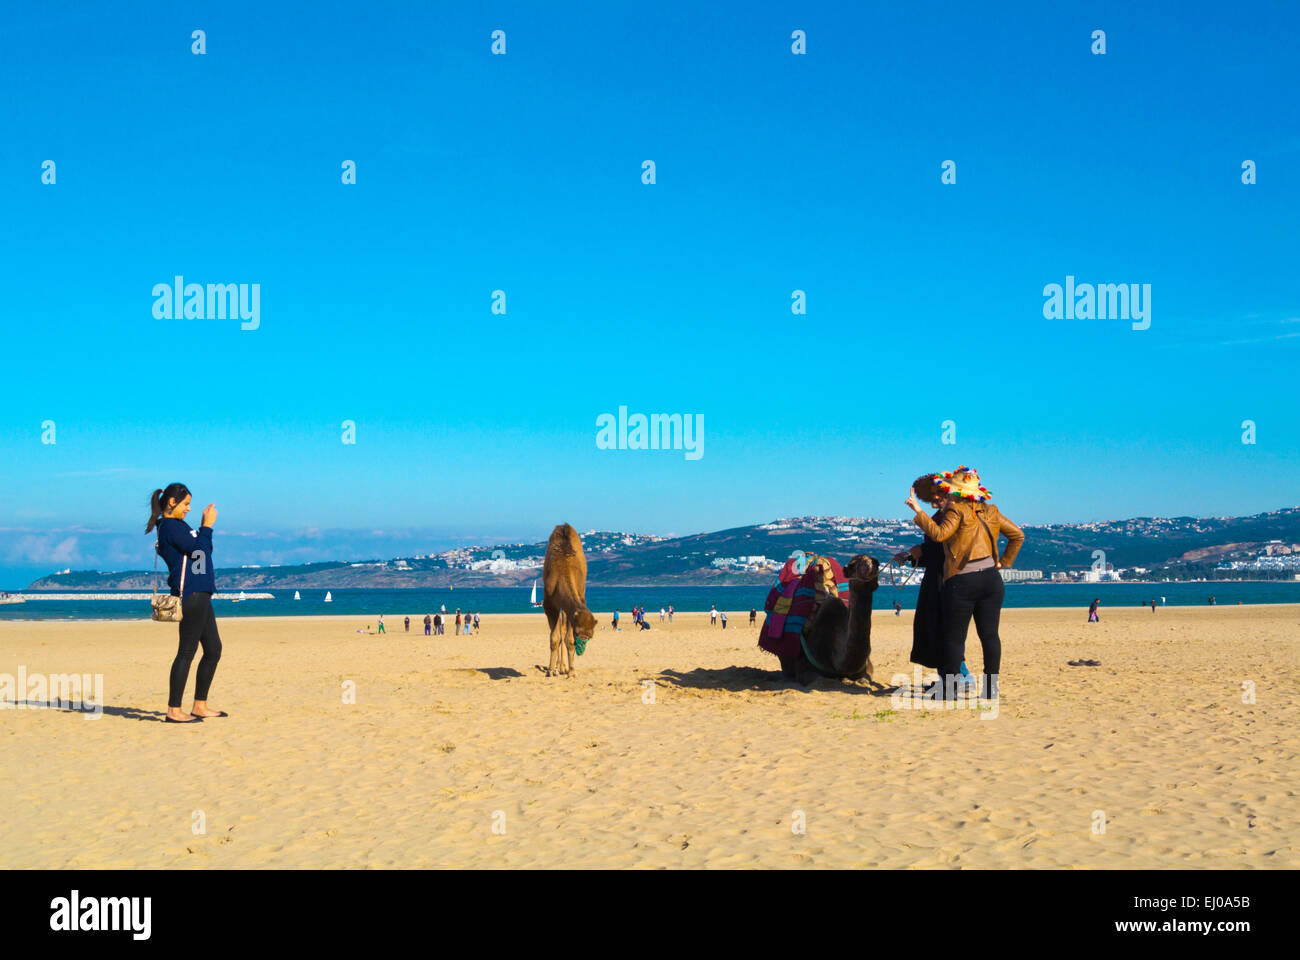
[459, 752]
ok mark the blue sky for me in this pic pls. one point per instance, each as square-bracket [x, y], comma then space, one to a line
[522, 173]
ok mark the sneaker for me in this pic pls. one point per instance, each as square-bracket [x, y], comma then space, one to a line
[961, 686]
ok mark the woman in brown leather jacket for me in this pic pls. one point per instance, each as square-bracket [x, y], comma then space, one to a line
[969, 528]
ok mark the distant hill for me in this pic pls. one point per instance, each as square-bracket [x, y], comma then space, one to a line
[1175, 547]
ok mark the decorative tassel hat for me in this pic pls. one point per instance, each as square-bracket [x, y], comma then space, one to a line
[964, 483]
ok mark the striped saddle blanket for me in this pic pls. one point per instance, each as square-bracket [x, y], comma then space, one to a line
[804, 582]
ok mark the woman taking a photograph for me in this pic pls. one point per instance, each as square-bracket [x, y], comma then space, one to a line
[969, 528]
[188, 555]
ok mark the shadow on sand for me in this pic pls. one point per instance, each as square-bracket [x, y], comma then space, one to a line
[500, 673]
[77, 706]
[737, 679]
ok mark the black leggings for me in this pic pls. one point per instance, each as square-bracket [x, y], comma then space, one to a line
[979, 595]
[198, 626]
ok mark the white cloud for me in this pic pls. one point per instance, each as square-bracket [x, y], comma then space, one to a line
[48, 549]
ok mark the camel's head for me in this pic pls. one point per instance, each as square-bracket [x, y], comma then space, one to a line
[584, 623]
[862, 570]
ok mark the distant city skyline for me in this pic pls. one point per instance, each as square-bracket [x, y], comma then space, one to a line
[360, 548]
[457, 344]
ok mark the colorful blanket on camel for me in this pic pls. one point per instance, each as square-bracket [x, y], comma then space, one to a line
[804, 582]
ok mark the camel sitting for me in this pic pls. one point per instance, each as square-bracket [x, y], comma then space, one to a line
[837, 639]
[564, 579]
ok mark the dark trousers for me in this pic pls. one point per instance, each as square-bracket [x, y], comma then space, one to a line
[198, 626]
[967, 595]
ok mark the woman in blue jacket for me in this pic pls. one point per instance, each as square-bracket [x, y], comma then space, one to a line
[182, 547]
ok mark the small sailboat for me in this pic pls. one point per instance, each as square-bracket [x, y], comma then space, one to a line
[296, 596]
[533, 601]
[328, 597]
[241, 595]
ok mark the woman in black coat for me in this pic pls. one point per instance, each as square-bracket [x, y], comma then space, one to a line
[927, 625]
[927, 633]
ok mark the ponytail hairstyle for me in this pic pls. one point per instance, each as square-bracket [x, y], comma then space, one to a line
[158, 502]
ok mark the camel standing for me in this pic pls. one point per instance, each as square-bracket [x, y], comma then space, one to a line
[564, 579]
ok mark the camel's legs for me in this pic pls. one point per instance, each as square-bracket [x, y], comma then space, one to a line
[865, 673]
[558, 631]
[569, 643]
[804, 671]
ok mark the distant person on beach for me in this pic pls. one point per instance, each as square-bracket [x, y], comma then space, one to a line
[724, 619]
[1092, 611]
[408, 624]
[615, 620]
[443, 611]
[188, 555]
[969, 528]
[898, 609]
[1212, 600]
[662, 613]
[670, 613]
[457, 633]
[437, 623]
[642, 624]
[428, 624]
[381, 624]
[476, 621]
[713, 616]
[753, 616]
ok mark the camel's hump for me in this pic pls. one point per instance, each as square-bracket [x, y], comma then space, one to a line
[565, 537]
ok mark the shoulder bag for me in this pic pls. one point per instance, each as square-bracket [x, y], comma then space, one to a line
[167, 608]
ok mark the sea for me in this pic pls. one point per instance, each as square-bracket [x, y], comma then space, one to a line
[367, 604]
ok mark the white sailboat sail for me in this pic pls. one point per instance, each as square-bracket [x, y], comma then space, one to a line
[328, 597]
[533, 601]
[295, 595]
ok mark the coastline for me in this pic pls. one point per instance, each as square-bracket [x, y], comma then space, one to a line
[653, 616]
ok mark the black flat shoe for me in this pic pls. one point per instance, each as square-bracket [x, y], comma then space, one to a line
[211, 716]
[170, 720]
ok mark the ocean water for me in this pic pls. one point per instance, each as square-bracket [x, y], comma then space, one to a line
[366, 605]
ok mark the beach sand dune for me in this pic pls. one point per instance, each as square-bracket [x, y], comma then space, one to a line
[676, 747]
